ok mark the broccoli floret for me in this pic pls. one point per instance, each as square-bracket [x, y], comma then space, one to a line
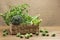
[16, 20]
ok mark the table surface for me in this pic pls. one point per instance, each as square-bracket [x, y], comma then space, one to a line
[51, 29]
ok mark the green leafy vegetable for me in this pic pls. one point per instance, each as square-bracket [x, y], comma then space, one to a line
[35, 20]
[22, 10]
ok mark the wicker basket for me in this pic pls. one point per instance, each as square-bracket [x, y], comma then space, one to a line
[23, 28]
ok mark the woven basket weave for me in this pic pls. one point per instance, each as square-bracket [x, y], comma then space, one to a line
[22, 28]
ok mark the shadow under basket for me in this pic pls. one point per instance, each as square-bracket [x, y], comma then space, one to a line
[23, 29]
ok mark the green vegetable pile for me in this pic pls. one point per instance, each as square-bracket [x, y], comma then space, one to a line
[46, 33]
[27, 36]
[19, 14]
